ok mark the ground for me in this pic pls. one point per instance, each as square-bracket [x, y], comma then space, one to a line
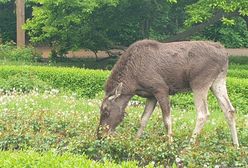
[89, 54]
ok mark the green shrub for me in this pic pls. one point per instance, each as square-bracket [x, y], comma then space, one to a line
[238, 73]
[83, 82]
[238, 67]
[11, 53]
[23, 82]
[238, 60]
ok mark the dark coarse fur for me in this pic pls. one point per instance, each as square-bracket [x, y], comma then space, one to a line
[178, 66]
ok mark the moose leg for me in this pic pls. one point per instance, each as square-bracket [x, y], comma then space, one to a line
[200, 99]
[163, 99]
[150, 105]
[220, 91]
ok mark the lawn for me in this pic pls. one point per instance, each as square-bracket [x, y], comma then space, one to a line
[53, 121]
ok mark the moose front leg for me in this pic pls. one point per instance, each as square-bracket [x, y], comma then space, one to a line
[150, 105]
[164, 102]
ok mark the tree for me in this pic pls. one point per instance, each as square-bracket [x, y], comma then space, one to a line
[12, 19]
[8, 21]
[62, 23]
[102, 25]
[97, 25]
[20, 20]
[204, 13]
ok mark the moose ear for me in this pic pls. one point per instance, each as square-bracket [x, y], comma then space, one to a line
[117, 92]
[118, 89]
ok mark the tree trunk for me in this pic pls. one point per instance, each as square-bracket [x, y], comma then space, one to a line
[20, 20]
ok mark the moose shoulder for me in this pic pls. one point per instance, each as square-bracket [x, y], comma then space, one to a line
[156, 70]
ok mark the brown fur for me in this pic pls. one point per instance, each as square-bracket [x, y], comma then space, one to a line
[178, 66]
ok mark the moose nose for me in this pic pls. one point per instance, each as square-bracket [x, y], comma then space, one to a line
[103, 131]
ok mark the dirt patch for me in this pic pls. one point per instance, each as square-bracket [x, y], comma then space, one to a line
[101, 54]
[45, 51]
[238, 51]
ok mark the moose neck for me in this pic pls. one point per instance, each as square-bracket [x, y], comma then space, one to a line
[122, 100]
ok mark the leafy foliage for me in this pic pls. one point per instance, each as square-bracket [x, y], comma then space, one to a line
[8, 21]
[236, 35]
[233, 35]
[204, 9]
[103, 26]
[62, 23]
[10, 52]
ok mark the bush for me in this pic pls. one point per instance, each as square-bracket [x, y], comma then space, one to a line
[238, 73]
[22, 82]
[11, 53]
[85, 83]
[238, 60]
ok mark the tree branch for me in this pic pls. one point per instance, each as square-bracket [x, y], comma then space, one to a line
[192, 30]
[200, 27]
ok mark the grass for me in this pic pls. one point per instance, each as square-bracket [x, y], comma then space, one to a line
[30, 158]
[66, 124]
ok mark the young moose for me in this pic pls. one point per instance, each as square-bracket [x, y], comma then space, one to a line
[156, 70]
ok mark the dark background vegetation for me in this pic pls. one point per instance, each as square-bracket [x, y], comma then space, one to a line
[103, 25]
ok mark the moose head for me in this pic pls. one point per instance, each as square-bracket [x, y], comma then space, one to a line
[111, 112]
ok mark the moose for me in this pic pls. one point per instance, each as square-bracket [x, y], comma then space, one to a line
[155, 70]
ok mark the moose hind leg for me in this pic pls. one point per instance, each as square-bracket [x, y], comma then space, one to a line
[150, 105]
[200, 100]
[219, 90]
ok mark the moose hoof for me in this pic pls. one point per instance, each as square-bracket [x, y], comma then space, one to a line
[170, 139]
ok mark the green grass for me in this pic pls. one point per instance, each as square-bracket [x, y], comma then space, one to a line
[19, 159]
[66, 124]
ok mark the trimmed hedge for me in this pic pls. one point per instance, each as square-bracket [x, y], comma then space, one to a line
[238, 73]
[84, 82]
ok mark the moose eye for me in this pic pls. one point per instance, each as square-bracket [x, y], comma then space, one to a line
[105, 112]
